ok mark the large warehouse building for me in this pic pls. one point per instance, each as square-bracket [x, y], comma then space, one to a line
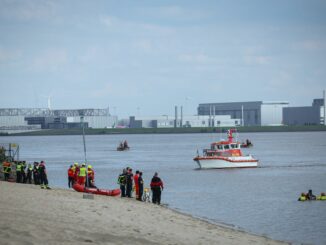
[305, 115]
[22, 119]
[254, 113]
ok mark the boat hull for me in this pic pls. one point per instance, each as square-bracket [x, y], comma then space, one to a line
[207, 162]
[81, 188]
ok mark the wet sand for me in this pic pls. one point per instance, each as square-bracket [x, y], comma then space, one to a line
[30, 215]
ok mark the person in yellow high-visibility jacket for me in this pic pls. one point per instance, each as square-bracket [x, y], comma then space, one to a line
[82, 174]
[6, 170]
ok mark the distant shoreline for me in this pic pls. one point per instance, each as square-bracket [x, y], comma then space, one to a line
[103, 131]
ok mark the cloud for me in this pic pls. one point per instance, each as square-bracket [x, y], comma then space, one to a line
[7, 55]
[144, 45]
[174, 12]
[257, 59]
[28, 10]
[132, 27]
[50, 60]
[310, 45]
[91, 54]
[109, 21]
[196, 58]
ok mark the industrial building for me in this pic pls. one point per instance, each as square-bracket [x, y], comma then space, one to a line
[305, 115]
[26, 119]
[254, 113]
[166, 121]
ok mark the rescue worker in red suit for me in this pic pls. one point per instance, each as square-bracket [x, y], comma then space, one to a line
[136, 183]
[82, 174]
[76, 172]
[157, 188]
[71, 176]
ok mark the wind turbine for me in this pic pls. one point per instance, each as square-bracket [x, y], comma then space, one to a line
[48, 100]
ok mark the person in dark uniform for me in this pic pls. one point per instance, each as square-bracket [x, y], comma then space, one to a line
[122, 181]
[29, 174]
[43, 176]
[36, 173]
[23, 174]
[129, 182]
[157, 188]
[18, 172]
[140, 186]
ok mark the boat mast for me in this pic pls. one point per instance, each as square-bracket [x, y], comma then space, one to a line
[81, 113]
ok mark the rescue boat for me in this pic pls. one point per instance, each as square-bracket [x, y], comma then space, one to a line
[225, 154]
[105, 192]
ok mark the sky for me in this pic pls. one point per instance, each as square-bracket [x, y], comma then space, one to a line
[145, 57]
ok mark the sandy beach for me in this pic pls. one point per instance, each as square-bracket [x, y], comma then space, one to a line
[30, 215]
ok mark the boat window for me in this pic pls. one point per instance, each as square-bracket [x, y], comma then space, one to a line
[219, 147]
[226, 147]
[233, 146]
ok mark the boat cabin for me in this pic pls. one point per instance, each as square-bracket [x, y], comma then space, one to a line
[223, 148]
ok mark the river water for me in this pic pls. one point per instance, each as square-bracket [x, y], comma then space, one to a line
[261, 201]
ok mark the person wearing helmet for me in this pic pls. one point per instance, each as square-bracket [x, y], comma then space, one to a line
[82, 174]
[90, 177]
[6, 170]
[76, 171]
[302, 197]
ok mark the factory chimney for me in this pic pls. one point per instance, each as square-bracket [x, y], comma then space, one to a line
[176, 116]
[181, 112]
[324, 107]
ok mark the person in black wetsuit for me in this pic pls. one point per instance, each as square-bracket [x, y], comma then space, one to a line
[129, 181]
[310, 196]
[140, 186]
[157, 188]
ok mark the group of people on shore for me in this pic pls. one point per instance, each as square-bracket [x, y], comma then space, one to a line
[81, 174]
[127, 180]
[26, 173]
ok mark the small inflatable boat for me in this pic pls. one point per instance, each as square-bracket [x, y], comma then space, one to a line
[82, 188]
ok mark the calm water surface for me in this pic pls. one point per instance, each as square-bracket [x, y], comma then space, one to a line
[262, 200]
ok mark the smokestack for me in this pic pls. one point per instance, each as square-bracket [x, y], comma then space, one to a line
[242, 122]
[210, 116]
[324, 108]
[176, 116]
[214, 116]
[181, 112]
